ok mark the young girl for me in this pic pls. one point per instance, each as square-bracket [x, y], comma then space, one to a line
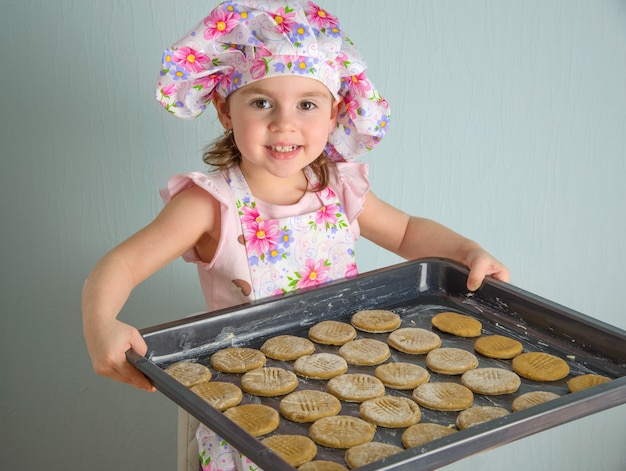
[288, 200]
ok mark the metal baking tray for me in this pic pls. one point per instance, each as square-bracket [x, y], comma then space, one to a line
[415, 290]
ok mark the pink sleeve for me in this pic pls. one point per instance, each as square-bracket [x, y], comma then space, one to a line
[215, 184]
[351, 185]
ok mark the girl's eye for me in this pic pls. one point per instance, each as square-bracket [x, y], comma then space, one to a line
[308, 105]
[261, 103]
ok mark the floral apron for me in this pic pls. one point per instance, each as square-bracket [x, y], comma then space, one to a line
[294, 252]
[284, 255]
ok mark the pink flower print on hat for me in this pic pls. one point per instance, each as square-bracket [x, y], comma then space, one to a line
[190, 59]
[285, 19]
[220, 22]
[359, 84]
[321, 18]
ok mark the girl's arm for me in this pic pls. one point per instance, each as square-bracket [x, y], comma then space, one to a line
[412, 237]
[184, 221]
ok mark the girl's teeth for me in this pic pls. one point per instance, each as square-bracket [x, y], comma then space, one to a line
[284, 148]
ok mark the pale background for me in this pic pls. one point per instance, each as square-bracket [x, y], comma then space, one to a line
[509, 125]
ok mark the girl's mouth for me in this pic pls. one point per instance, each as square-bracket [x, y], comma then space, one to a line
[283, 148]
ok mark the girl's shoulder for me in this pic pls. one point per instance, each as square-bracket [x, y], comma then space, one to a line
[215, 184]
[350, 174]
[349, 180]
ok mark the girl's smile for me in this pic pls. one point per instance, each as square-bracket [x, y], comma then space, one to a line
[283, 148]
[284, 152]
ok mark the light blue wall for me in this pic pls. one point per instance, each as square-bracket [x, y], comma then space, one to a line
[509, 125]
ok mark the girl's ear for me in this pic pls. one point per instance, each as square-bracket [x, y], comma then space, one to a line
[334, 113]
[223, 112]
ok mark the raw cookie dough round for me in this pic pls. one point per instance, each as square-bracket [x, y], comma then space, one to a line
[322, 465]
[220, 395]
[365, 352]
[457, 324]
[366, 453]
[256, 419]
[539, 366]
[443, 396]
[450, 361]
[414, 340]
[402, 375]
[237, 359]
[188, 373]
[531, 399]
[419, 434]
[309, 405]
[498, 346]
[578, 383]
[341, 431]
[294, 449]
[332, 333]
[320, 366]
[477, 415]
[491, 381]
[287, 347]
[390, 411]
[355, 387]
[375, 320]
[269, 381]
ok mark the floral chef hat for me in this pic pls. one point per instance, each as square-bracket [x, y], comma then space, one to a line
[241, 42]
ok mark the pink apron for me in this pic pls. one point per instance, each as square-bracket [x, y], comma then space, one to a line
[283, 255]
[294, 252]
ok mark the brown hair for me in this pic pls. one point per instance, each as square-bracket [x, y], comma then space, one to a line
[223, 153]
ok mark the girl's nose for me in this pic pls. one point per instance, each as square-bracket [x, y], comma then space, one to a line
[282, 120]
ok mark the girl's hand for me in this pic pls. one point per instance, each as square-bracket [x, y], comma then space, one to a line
[107, 345]
[482, 264]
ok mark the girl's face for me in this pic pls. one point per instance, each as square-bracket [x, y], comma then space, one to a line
[280, 124]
